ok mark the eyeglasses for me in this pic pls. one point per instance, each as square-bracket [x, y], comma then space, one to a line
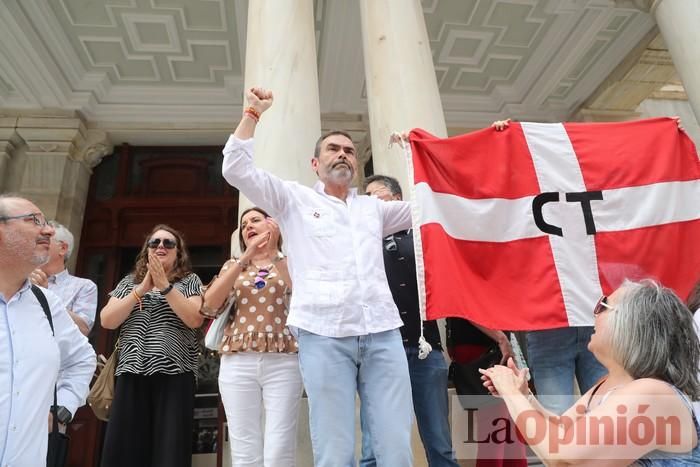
[167, 243]
[37, 217]
[259, 281]
[602, 306]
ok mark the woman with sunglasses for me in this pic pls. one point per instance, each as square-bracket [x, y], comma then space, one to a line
[259, 374]
[157, 306]
[641, 411]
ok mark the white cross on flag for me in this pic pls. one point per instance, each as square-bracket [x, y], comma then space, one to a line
[525, 229]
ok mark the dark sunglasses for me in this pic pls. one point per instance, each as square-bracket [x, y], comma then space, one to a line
[167, 243]
[602, 306]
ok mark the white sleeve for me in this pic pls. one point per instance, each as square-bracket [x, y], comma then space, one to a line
[85, 303]
[396, 216]
[78, 359]
[262, 188]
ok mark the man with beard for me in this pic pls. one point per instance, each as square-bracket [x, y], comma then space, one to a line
[341, 309]
[33, 359]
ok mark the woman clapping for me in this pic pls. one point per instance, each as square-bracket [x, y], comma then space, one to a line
[157, 307]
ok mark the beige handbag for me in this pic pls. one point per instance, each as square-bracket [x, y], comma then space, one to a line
[102, 391]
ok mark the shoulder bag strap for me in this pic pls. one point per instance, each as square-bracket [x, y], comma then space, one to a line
[47, 311]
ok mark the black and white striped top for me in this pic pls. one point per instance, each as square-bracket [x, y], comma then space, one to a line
[155, 340]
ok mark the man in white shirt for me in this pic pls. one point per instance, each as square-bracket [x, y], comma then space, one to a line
[32, 360]
[78, 294]
[341, 308]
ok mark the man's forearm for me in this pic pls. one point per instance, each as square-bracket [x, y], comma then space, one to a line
[246, 127]
[80, 322]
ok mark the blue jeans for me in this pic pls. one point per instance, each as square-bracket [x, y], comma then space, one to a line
[557, 355]
[334, 369]
[429, 388]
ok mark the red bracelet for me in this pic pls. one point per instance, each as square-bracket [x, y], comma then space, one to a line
[254, 114]
[138, 299]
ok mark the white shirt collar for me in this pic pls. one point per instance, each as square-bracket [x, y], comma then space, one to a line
[59, 276]
[320, 187]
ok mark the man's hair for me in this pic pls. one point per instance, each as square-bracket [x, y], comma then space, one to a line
[319, 142]
[4, 202]
[390, 182]
[64, 235]
[653, 336]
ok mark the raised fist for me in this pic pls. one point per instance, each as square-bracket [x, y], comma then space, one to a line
[258, 98]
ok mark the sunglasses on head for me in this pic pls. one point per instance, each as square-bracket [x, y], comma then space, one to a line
[602, 306]
[167, 243]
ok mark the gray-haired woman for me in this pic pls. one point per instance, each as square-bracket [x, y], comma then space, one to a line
[640, 412]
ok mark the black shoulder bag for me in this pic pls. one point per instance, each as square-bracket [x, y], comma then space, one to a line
[57, 452]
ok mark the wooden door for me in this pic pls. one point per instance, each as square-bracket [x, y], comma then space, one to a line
[131, 191]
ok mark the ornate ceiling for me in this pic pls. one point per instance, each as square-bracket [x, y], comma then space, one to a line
[155, 63]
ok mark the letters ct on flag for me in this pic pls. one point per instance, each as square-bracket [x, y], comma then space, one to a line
[525, 229]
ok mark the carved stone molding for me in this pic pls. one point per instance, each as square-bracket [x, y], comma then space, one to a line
[95, 146]
[9, 139]
[51, 134]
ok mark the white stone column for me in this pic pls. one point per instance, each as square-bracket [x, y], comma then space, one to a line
[281, 56]
[9, 141]
[678, 23]
[60, 156]
[402, 89]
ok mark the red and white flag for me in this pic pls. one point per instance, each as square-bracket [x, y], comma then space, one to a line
[525, 229]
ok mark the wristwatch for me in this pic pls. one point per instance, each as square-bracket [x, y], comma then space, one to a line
[166, 290]
[63, 415]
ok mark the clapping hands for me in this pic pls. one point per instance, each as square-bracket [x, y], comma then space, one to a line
[157, 272]
[501, 380]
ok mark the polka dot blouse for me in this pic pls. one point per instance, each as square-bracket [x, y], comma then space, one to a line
[259, 322]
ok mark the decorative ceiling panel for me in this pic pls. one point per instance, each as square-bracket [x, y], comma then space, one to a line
[165, 61]
[502, 35]
[187, 42]
[529, 59]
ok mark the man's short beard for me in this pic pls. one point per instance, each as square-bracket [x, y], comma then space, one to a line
[18, 246]
[40, 259]
[341, 175]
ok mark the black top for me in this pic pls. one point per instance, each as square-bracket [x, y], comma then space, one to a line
[400, 266]
[154, 339]
[460, 331]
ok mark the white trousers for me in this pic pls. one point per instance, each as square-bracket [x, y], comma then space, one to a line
[256, 386]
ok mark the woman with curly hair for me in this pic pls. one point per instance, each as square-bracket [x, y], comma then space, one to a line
[157, 307]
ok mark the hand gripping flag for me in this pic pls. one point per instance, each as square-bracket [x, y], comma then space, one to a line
[525, 229]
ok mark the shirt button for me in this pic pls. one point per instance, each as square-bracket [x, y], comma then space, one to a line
[401, 258]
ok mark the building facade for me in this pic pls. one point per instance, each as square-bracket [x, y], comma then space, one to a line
[112, 112]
